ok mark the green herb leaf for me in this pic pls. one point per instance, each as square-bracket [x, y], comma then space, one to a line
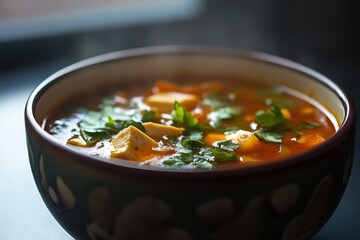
[174, 161]
[226, 145]
[224, 113]
[269, 136]
[100, 125]
[196, 136]
[224, 156]
[190, 150]
[94, 136]
[214, 101]
[280, 103]
[138, 125]
[270, 119]
[184, 118]
[149, 116]
[309, 125]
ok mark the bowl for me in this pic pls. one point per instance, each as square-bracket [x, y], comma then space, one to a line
[93, 198]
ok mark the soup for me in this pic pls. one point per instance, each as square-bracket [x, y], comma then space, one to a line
[203, 125]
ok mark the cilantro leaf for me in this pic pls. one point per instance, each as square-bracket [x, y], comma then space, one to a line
[309, 125]
[196, 136]
[92, 136]
[184, 118]
[224, 113]
[192, 152]
[270, 119]
[214, 101]
[281, 103]
[149, 116]
[226, 145]
[174, 160]
[100, 125]
[268, 136]
[223, 156]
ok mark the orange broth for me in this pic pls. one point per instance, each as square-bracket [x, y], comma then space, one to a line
[224, 124]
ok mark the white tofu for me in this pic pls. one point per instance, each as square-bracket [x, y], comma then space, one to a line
[157, 131]
[164, 102]
[247, 140]
[132, 144]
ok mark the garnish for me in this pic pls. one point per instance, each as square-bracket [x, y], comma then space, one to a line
[149, 116]
[270, 119]
[272, 123]
[184, 119]
[268, 136]
[281, 103]
[226, 145]
[214, 101]
[100, 125]
[308, 125]
[224, 113]
[191, 151]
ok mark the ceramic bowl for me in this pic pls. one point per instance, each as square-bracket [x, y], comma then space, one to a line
[94, 198]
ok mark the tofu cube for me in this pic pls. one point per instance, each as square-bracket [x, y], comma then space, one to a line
[164, 102]
[247, 140]
[132, 144]
[157, 131]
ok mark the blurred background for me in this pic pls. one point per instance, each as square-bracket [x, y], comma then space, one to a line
[38, 37]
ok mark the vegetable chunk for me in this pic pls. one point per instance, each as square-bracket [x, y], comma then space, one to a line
[157, 131]
[164, 102]
[132, 144]
[310, 140]
[78, 141]
[247, 140]
[213, 137]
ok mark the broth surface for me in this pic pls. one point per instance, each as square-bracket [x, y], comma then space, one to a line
[203, 125]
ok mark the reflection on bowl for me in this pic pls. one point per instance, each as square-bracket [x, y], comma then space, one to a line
[97, 199]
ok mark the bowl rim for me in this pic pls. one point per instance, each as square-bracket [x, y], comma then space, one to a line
[344, 128]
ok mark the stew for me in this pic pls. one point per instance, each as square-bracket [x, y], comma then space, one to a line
[203, 125]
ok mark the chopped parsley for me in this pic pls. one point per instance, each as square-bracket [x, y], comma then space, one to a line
[269, 136]
[93, 131]
[279, 102]
[272, 123]
[225, 113]
[191, 151]
[184, 119]
[270, 119]
[215, 101]
[308, 125]
[149, 116]
[226, 145]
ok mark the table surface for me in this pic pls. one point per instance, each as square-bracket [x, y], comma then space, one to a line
[23, 215]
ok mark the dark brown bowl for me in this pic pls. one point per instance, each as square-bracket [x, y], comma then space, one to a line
[93, 198]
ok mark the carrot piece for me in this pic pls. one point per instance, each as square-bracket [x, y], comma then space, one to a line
[165, 86]
[311, 140]
[249, 117]
[247, 140]
[286, 113]
[213, 137]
